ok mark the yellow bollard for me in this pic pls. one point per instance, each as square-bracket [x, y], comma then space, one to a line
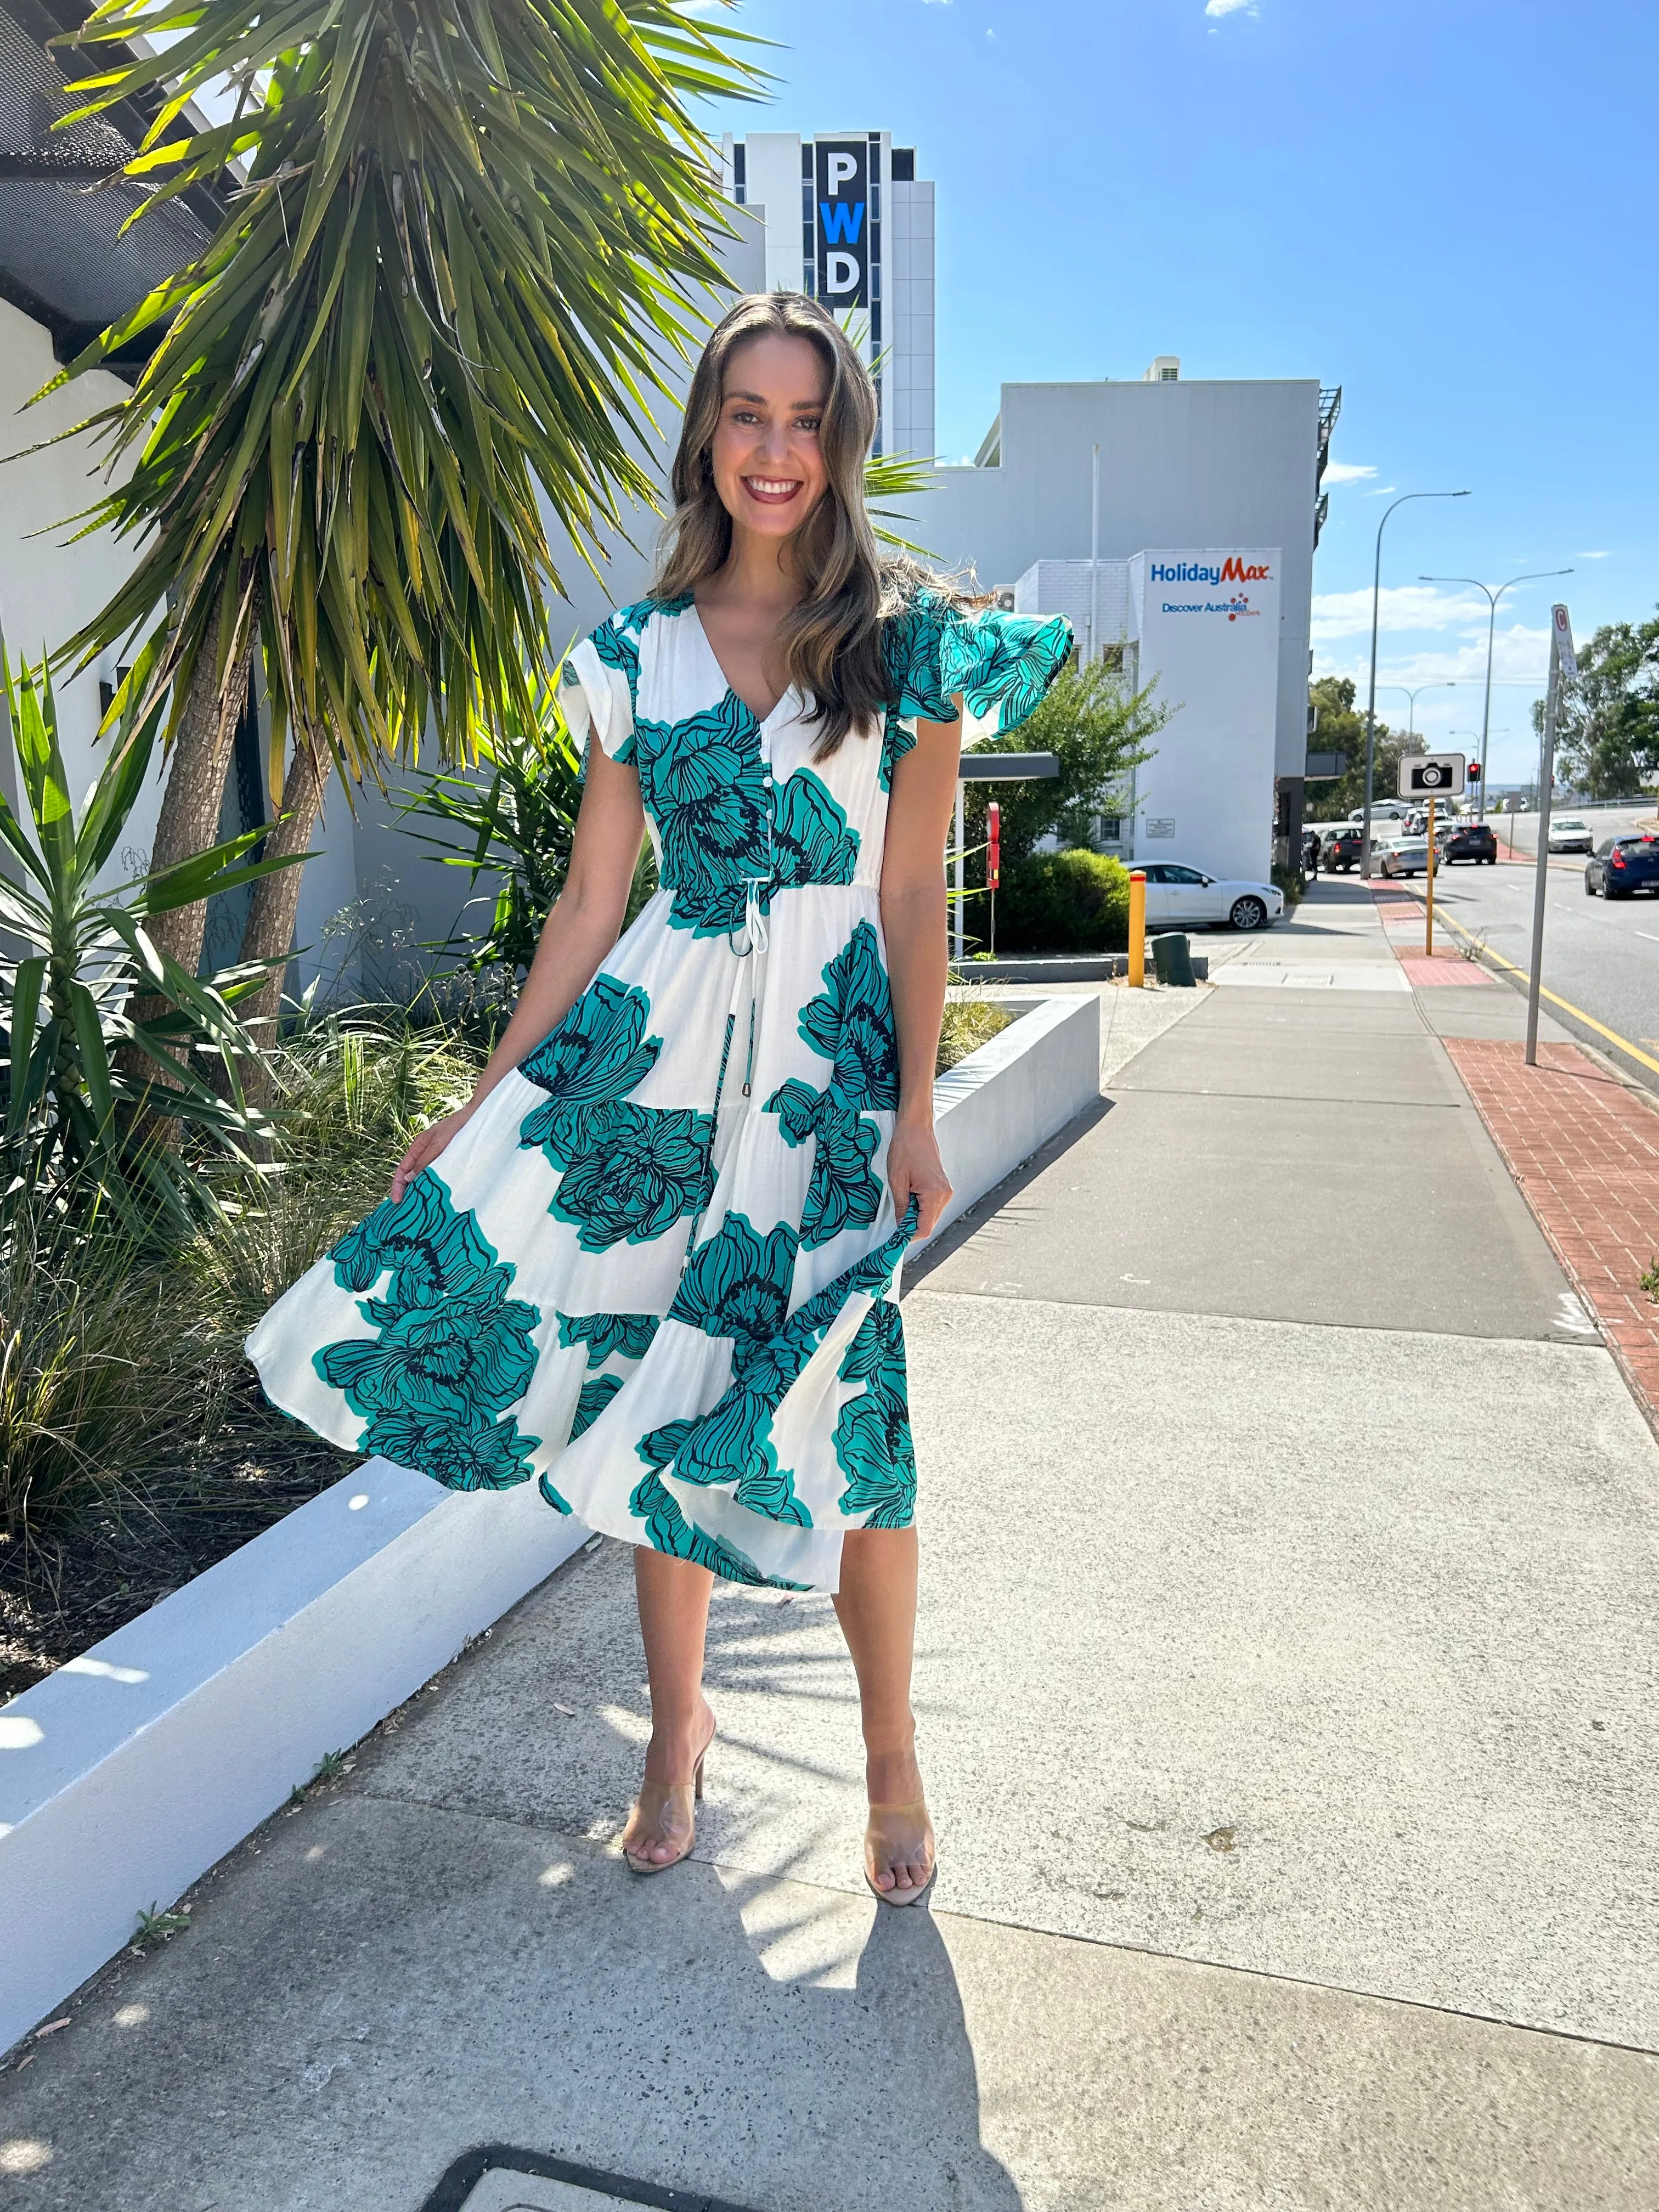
[1137, 929]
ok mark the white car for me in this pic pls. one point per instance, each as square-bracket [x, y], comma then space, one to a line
[1383, 810]
[1403, 856]
[1179, 896]
[1569, 833]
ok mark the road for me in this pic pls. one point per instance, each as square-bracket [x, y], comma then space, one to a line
[1599, 955]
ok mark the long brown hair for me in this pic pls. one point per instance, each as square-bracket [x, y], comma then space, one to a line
[831, 641]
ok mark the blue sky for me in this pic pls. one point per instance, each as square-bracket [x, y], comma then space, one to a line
[1445, 206]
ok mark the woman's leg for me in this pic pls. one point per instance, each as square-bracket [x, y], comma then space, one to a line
[673, 1599]
[877, 1608]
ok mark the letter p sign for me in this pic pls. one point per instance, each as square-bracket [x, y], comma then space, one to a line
[838, 168]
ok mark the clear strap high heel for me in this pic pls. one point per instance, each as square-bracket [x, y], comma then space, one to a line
[889, 1841]
[666, 1813]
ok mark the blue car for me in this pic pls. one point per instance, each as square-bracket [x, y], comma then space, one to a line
[1622, 867]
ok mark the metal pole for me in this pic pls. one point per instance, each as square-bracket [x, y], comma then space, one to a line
[957, 926]
[1485, 717]
[1428, 915]
[1094, 561]
[1541, 873]
[1371, 709]
[1535, 576]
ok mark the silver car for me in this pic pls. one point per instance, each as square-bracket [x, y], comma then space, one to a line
[1406, 856]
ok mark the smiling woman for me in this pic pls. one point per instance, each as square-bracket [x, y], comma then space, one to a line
[653, 1264]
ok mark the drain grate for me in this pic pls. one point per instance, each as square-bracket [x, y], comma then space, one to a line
[499, 2177]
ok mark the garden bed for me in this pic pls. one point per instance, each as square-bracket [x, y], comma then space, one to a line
[220, 1465]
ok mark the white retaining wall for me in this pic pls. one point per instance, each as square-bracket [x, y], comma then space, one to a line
[126, 1774]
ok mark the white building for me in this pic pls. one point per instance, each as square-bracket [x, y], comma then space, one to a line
[847, 220]
[1114, 474]
[1200, 627]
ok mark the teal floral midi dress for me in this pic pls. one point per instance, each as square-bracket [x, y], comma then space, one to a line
[657, 1272]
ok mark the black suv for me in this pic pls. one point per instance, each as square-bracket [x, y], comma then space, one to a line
[1340, 850]
[1622, 867]
[1470, 840]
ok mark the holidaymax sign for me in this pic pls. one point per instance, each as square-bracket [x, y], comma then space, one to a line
[1217, 575]
[843, 199]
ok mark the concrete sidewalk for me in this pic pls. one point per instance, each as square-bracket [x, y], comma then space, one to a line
[1286, 1687]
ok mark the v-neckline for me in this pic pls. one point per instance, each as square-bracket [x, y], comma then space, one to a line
[732, 691]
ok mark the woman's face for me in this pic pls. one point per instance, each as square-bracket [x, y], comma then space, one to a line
[768, 468]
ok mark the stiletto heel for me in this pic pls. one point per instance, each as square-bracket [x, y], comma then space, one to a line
[878, 1832]
[666, 1811]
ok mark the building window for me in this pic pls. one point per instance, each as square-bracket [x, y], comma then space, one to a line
[1111, 656]
[740, 174]
[904, 165]
[1169, 375]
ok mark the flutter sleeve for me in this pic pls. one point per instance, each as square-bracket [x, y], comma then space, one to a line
[598, 685]
[1001, 664]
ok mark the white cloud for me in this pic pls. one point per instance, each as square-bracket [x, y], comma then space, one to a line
[1400, 607]
[1604, 556]
[1520, 659]
[1220, 7]
[1341, 472]
[1380, 491]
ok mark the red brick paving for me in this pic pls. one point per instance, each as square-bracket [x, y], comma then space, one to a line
[1584, 1149]
[1447, 966]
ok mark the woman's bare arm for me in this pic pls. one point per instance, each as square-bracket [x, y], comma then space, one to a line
[912, 920]
[585, 923]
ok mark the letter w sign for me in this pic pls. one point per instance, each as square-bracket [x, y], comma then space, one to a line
[843, 231]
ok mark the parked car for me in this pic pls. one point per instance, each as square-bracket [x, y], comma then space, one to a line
[1340, 850]
[1622, 867]
[1469, 841]
[1570, 833]
[1383, 810]
[1406, 856]
[1178, 897]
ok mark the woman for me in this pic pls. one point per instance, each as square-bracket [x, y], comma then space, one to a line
[653, 1262]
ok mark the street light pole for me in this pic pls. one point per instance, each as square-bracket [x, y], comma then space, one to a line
[1435, 684]
[1537, 576]
[1371, 709]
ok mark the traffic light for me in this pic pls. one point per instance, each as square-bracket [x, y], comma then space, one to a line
[1472, 773]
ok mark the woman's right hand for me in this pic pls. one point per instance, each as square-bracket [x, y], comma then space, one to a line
[428, 1145]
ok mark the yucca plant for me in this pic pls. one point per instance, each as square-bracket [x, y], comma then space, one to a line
[93, 1092]
[517, 827]
[471, 237]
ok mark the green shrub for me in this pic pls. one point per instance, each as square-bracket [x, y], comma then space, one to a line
[1071, 901]
[967, 1025]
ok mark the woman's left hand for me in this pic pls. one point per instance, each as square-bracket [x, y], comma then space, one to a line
[915, 1169]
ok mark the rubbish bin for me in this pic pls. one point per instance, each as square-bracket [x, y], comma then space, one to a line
[1172, 959]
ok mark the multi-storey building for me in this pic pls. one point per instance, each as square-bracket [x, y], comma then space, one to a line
[849, 221]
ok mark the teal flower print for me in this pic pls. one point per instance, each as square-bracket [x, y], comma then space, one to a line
[811, 842]
[452, 1349]
[597, 1054]
[703, 782]
[933, 651]
[640, 1169]
[668, 1530]
[487, 1454]
[874, 1445]
[595, 1397]
[627, 1334]
[736, 1284]
[841, 1193]
[550, 1497]
[895, 742]
[851, 1022]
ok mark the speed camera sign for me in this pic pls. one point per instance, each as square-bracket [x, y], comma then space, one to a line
[1431, 775]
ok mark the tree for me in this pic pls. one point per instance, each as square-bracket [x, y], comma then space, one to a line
[467, 244]
[1607, 734]
[1097, 729]
[1342, 729]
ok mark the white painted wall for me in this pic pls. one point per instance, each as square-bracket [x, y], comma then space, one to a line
[1193, 463]
[49, 587]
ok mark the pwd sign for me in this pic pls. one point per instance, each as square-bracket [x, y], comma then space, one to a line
[842, 221]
